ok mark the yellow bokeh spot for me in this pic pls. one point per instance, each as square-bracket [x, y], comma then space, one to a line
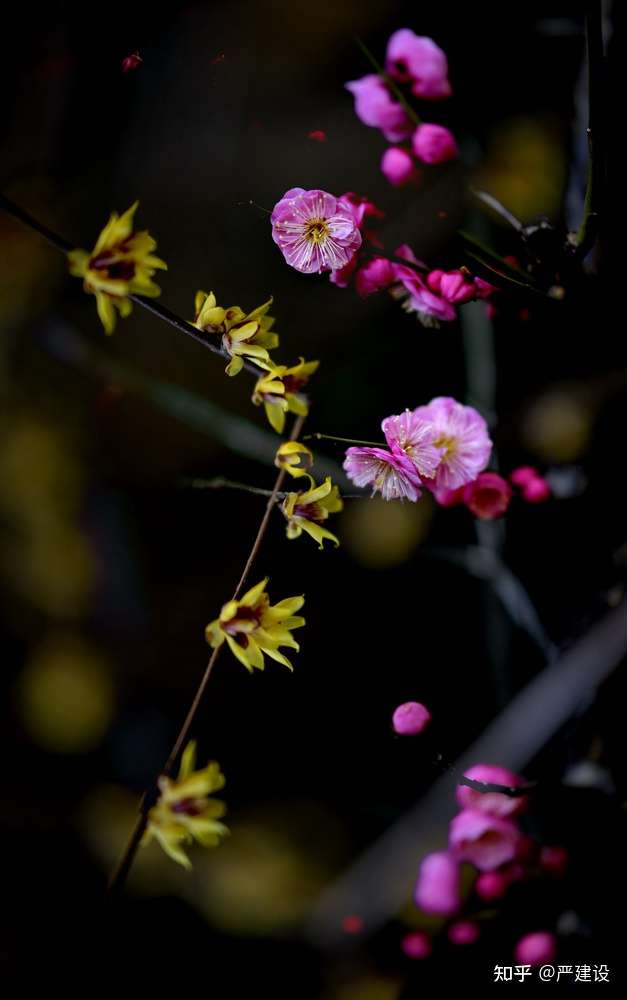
[65, 695]
[380, 533]
[525, 168]
[557, 426]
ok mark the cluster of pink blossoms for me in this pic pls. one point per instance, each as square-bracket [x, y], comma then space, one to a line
[484, 833]
[318, 232]
[416, 64]
[490, 495]
[442, 446]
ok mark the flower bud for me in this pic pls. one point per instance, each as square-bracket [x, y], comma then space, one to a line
[434, 144]
[411, 718]
[438, 886]
[536, 949]
[398, 167]
[416, 945]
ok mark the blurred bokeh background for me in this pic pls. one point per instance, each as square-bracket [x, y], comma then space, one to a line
[111, 567]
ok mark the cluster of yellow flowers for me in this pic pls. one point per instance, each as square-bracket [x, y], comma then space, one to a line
[121, 265]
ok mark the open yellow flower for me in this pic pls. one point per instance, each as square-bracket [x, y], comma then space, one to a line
[294, 457]
[244, 336]
[184, 812]
[121, 264]
[280, 391]
[305, 511]
[252, 627]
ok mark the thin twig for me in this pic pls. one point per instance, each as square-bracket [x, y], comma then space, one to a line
[499, 208]
[589, 227]
[123, 867]
[219, 482]
[180, 324]
[330, 437]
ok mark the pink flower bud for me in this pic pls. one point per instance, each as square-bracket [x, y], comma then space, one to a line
[492, 885]
[497, 803]
[523, 475]
[434, 144]
[554, 860]
[455, 287]
[488, 496]
[464, 932]
[411, 718]
[536, 491]
[438, 889]
[398, 167]
[376, 274]
[536, 949]
[416, 945]
[486, 841]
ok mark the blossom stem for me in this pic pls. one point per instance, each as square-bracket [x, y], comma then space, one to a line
[398, 93]
[123, 867]
[589, 227]
[219, 482]
[151, 305]
[330, 437]
[494, 263]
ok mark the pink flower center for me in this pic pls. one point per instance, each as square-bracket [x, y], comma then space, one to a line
[316, 231]
[448, 444]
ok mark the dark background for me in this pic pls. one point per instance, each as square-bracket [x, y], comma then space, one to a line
[111, 569]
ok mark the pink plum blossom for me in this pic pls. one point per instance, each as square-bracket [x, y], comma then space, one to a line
[538, 948]
[417, 60]
[416, 295]
[457, 287]
[486, 841]
[434, 144]
[391, 473]
[411, 718]
[462, 433]
[373, 276]
[416, 944]
[375, 106]
[496, 803]
[397, 166]
[464, 932]
[315, 231]
[438, 886]
[488, 496]
[416, 438]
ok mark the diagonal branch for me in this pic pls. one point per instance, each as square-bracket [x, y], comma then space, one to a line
[120, 873]
[180, 324]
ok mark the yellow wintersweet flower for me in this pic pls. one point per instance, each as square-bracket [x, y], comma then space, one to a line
[306, 510]
[280, 391]
[243, 335]
[252, 627]
[121, 264]
[294, 457]
[184, 812]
